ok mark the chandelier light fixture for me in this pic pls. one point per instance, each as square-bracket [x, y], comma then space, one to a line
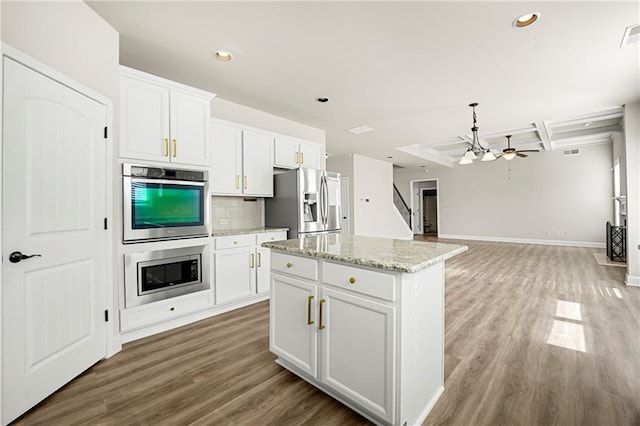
[476, 150]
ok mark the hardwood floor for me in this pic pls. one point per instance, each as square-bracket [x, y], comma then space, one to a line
[535, 335]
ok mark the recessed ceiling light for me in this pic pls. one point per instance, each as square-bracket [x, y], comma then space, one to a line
[223, 55]
[322, 100]
[361, 129]
[526, 19]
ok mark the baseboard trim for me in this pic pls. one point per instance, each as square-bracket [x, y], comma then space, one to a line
[632, 280]
[524, 241]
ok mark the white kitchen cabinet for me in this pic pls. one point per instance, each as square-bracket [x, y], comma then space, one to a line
[241, 265]
[242, 161]
[163, 121]
[292, 327]
[292, 153]
[358, 350]
[226, 162]
[371, 338]
[235, 277]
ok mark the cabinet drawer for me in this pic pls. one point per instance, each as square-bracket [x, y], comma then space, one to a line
[295, 265]
[235, 241]
[271, 236]
[363, 281]
[164, 310]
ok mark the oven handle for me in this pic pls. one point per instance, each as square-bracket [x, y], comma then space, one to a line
[167, 181]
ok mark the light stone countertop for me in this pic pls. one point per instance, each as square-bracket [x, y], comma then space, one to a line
[239, 231]
[394, 255]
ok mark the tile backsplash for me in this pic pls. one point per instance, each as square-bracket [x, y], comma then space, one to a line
[236, 212]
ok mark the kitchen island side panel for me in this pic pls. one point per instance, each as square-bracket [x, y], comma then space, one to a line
[421, 332]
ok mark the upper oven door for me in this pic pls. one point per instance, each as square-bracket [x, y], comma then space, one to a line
[163, 209]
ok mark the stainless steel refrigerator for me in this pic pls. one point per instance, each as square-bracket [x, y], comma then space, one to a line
[307, 201]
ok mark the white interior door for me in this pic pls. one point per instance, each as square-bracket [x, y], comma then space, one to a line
[53, 201]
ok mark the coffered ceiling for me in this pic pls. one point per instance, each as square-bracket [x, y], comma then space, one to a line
[406, 69]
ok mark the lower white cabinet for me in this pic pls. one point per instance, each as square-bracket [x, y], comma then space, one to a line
[373, 339]
[241, 265]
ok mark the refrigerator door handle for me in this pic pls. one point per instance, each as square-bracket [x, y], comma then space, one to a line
[325, 201]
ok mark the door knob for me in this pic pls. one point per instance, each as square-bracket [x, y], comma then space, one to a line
[17, 256]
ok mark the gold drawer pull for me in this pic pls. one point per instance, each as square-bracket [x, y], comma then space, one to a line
[321, 325]
[302, 158]
[166, 147]
[259, 260]
[252, 260]
[352, 280]
[175, 148]
[309, 320]
[289, 265]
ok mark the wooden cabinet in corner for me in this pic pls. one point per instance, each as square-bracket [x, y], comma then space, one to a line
[163, 121]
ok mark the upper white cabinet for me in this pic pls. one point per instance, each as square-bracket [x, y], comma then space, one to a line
[163, 121]
[242, 161]
[292, 153]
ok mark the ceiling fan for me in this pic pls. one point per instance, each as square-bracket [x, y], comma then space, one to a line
[509, 153]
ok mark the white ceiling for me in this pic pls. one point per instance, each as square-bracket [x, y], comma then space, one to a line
[407, 69]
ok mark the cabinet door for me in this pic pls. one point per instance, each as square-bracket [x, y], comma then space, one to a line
[257, 149]
[293, 322]
[190, 117]
[226, 160]
[310, 155]
[285, 153]
[358, 350]
[234, 274]
[263, 265]
[144, 120]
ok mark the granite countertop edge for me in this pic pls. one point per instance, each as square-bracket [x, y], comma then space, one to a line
[369, 262]
[241, 231]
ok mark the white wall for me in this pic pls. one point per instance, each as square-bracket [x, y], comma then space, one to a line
[71, 38]
[343, 164]
[371, 190]
[543, 195]
[632, 148]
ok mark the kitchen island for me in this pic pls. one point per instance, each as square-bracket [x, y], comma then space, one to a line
[362, 319]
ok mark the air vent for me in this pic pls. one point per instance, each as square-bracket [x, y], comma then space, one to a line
[570, 152]
[361, 129]
[631, 35]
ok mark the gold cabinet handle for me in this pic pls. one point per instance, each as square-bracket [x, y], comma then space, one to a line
[309, 320]
[246, 182]
[259, 260]
[252, 260]
[301, 157]
[297, 157]
[289, 265]
[175, 148]
[321, 325]
[166, 147]
[237, 181]
[352, 280]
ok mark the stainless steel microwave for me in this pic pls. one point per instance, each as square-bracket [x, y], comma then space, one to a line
[161, 203]
[162, 274]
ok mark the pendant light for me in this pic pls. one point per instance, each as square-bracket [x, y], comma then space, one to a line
[476, 150]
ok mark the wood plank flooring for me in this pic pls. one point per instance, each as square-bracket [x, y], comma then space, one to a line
[535, 335]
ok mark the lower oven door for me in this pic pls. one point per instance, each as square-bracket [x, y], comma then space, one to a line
[163, 274]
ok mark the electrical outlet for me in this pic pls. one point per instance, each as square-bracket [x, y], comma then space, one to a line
[224, 221]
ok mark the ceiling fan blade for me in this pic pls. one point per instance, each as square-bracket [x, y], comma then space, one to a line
[528, 150]
[520, 154]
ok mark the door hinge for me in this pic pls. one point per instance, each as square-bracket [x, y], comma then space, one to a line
[105, 223]
[106, 315]
[105, 132]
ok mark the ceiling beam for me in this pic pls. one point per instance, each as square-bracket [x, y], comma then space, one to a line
[586, 132]
[426, 154]
[541, 128]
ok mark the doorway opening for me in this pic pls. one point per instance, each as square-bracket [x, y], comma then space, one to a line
[425, 206]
